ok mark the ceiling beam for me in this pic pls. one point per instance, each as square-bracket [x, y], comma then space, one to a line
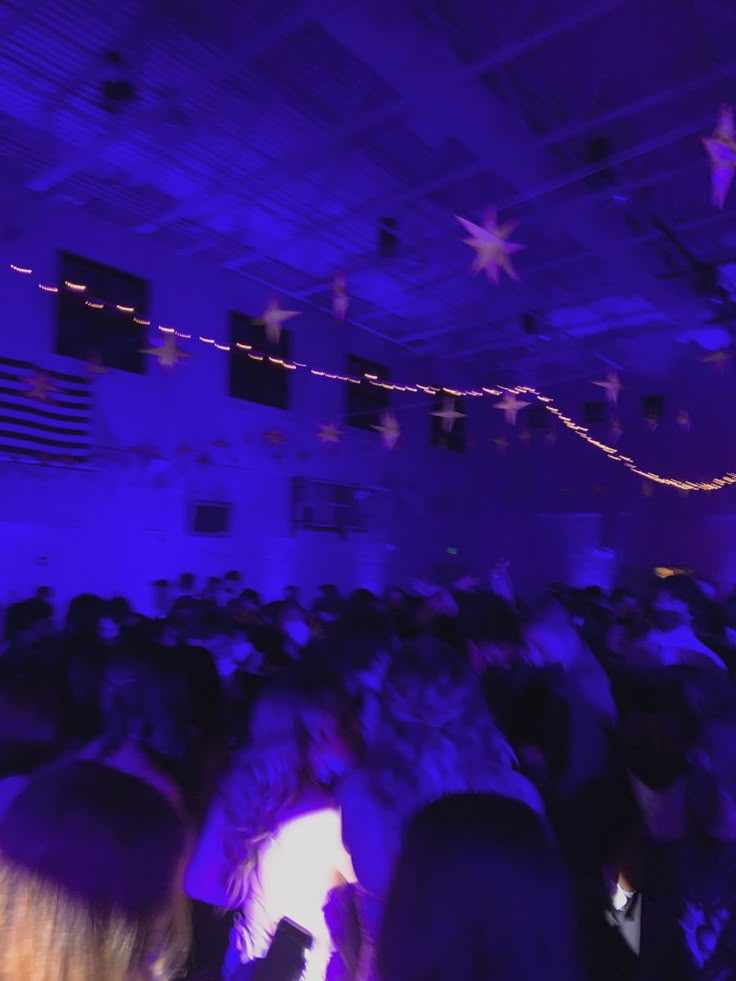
[648, 237]
[240, 56]
[434, 85]
[592, 196]
[403, 198]
[219, 195]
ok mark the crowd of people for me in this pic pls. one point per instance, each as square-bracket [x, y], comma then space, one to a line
[435, 784]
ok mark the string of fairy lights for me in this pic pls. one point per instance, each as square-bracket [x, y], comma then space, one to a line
[497, 391]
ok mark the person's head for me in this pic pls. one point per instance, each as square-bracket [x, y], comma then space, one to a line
[90, 865]
[231, 587]
[27, 623]
[161, 597]
[213, 591]
[329, 730]
[293, 623]
[480, 891]
[114, 619]
[658, 727]
[492, 630]
[83, 618]
[435, 734]
[550, 636]
[676, 601]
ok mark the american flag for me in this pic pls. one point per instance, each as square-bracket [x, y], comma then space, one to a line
[44, 415]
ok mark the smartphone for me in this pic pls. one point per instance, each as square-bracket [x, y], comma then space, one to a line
[286, 957]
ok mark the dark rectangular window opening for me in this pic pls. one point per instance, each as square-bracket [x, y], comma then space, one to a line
[102, 314]
[253, 377]
[367, 402]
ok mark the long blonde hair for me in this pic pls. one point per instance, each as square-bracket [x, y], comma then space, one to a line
[89, 866]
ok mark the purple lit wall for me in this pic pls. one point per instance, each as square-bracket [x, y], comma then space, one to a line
[557, 511]
[116, 528]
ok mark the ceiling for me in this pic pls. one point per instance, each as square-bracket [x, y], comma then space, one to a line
[274, 136]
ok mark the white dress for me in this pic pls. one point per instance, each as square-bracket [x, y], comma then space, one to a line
[295, 871]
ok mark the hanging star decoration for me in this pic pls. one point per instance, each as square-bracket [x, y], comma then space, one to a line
[448, 414]
[683, 420]
[340, 296]
[719, 359]
[329, 433]
[721, 150]
[168, 354]
[493, 246]
[274, 437]
[612, 385]
[389, 429]
[501, 442]
[39, 387]
[511, 406]
[273, 319]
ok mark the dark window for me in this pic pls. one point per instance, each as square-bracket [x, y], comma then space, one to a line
[211, 518]
[252, 376]
[446, 432]
[366, 402]
[595, 412]
[102, 322]
[652, 407]
[537, 417]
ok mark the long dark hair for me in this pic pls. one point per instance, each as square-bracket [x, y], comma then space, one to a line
[480, 892]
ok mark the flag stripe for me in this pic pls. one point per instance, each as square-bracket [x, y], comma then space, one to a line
[54, 426]
[22, 368]
[11, 434]
[29, 407]
[6, 449]
[12, 421]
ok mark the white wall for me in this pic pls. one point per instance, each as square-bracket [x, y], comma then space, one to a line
[123, 524]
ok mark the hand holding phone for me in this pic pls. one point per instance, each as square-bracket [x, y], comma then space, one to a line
[285, 960]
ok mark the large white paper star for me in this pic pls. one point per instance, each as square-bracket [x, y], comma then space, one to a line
[511, 406]
[273, 319]
[612, 385]
[389, 429]
[329, 432]
[721, 149]
[493, 250]
[448, 414]
[169, 354]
